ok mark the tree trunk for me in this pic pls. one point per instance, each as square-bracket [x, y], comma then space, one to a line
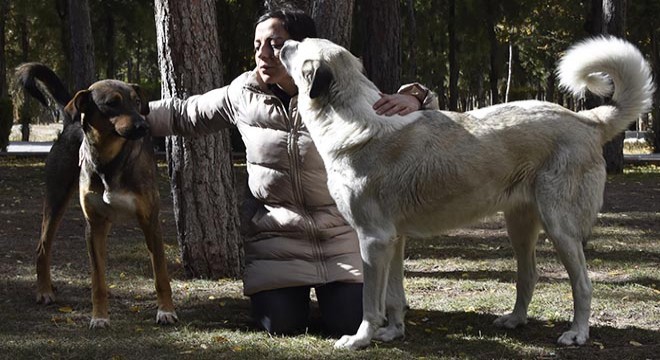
[453, 61]
[304, 5]
[655, 125]
[61, 7]
[614, 22]
[381, 54]
[4, 92]
[334, 20]
[509, 72]
[25, 116]
[6, 111]
[493, 74]
[83, 69]
[110, 69]
[412, 54]
[201, 172]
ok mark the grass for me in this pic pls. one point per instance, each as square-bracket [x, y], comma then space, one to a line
[457, 284]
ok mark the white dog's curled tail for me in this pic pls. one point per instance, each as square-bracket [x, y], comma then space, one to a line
[609, 66]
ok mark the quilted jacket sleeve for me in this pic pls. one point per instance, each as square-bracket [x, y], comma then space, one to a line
[426, 97]
[198, 114]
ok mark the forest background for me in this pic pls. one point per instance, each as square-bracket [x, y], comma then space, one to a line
[473, 53]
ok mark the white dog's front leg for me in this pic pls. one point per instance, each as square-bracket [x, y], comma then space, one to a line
[377, 252]
[396, 298]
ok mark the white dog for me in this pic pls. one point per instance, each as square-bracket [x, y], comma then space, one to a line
[431, 171]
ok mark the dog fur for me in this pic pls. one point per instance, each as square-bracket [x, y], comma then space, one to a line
[103, 148]
[430, 171]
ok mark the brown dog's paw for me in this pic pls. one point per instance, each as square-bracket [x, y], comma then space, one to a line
[46, 298]
[99, 323]
[166, 317]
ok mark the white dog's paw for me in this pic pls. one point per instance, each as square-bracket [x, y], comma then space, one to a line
[510, 321]
[389, 333]
[166, 317]
[573, 337]
[352, 342]
[99, 323]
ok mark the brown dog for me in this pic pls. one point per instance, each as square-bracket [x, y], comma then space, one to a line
[103, 143]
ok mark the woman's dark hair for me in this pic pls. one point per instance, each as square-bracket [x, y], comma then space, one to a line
[296, 22]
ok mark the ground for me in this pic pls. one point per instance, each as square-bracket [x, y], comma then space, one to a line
[457, 284]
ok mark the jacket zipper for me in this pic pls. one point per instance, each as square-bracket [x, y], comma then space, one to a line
[311, 229]
[310, 226]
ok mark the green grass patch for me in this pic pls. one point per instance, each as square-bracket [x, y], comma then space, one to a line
[457, 284]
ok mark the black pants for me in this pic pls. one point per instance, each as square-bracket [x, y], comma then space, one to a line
[287, 310]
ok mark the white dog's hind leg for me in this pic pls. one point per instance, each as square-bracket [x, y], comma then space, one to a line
[572, 256]
[395, 303]
[569, 207]
[523, 226]
[377, 252]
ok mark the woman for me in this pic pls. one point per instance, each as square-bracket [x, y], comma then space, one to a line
[295, 238]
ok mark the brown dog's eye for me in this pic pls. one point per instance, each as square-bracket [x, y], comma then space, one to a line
[113, 102]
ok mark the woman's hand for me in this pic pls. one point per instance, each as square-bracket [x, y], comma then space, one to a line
[399, 104]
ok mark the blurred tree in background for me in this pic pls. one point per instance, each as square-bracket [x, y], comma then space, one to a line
[498, 48]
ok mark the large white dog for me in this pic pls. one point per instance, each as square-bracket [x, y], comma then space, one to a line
[431, 171]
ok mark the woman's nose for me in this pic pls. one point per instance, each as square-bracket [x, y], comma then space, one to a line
[265, 51]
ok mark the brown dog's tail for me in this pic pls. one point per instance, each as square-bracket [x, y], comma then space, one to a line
[28, 74]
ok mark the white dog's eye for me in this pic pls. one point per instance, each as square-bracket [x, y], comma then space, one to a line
[308, 69]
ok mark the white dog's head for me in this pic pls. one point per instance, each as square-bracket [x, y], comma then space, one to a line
[318, 66]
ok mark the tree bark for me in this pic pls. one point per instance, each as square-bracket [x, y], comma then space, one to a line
[493, 74]
[614, 23]
[304, 5]
[412, 54]
[4, 9]
[6, 109]
[655, 125]
[382, 47]
[83, 68]
[201, 172]
[453, 62]
[334, 20]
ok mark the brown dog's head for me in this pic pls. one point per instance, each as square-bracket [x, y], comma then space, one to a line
[111, 108]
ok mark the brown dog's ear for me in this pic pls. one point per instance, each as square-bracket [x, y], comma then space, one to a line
[144, 103]
[78, 105]
[319, 75]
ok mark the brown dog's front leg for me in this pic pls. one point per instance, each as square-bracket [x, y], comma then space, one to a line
[153, 235]
[96, 234]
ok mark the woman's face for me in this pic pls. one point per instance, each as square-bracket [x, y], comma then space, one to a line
[269, 36]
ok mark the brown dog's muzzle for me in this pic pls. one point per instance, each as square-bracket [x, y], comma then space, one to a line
[132, 127]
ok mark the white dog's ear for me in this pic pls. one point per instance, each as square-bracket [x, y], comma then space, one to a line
[318, 74]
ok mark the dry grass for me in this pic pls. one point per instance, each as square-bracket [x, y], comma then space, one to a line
[457, 284]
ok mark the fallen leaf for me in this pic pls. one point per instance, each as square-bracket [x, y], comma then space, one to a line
[634, 343]
[220, 339]
[65, 309]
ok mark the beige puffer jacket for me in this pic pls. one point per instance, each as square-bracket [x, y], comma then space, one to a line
[296, 235]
